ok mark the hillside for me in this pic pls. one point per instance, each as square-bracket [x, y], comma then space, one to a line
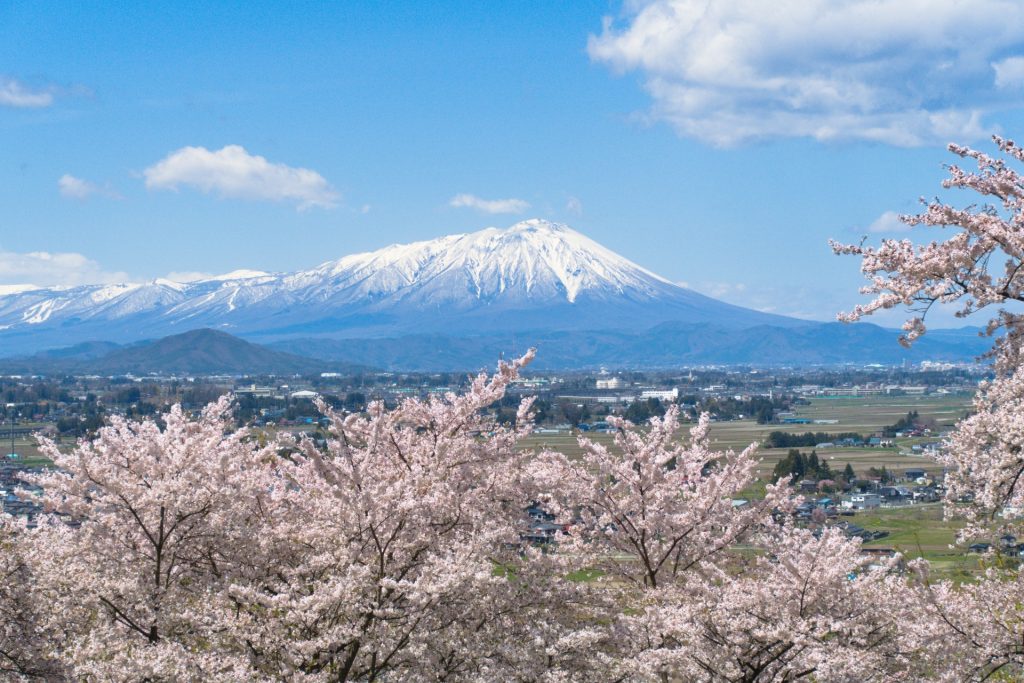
[197, 352]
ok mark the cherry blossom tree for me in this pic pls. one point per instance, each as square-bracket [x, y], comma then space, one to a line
[984, 456]
[810, 607]
[403, 552]
[665, 503]
[973, 631]
[968, 632]
[650, 515]
[963, 269]
[145, 523]
[978, 267]
[25, 647]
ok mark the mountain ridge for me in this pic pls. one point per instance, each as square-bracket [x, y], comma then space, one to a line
[196, 352]
[455, 302]
[667, 346]
[533, 275]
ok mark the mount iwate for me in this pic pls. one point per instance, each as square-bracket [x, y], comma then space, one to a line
[460, 295]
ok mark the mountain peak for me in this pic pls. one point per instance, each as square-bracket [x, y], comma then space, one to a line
[539, 225]
[533, 275]
[532, 260]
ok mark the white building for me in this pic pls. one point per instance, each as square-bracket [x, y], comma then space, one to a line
[661, 395]
[611, 383]
[863, 501]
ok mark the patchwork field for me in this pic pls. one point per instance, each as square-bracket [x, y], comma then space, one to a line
[861, 415]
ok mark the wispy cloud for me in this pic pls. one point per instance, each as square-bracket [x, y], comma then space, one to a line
[720, 290]
[71, 187]
[188, 276]
[777, 298]
[574, 206]
[900, 72]
[47, 269]
[14, 93]
[231, 172]
[489, 205]
[888, 222]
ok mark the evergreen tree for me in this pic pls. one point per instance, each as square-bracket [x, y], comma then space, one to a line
[824, 470]
[813, 466]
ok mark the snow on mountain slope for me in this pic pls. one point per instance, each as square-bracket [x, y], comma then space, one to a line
[531, 260]
[533, 275]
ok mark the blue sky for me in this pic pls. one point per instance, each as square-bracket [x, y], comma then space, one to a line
[718, 147]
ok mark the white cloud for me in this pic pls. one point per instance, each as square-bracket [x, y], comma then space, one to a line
[16, 94]
[231, 172]
[720, 290]
[71, 187]
[888, 222]
[574, 206]
[46, 269]
[188, 276]
[900, 72]
[1009, 72]
[489, 205]
[790, 300]
[75, 188]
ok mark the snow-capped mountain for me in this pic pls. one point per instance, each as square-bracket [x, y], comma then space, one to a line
[535, 275]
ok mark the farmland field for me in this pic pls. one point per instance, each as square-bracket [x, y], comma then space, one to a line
[861, 415]
[915, 531]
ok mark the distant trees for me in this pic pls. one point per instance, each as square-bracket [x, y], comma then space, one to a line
[796, 466]
[573, 413]
[355, 401]
[82, 425]
[761, 408]
[882, 474]
[901, 425]
[780, 439]
[639, 412]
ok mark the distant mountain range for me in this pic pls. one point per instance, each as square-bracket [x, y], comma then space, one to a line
[451, 303]
[197, 352]
[665, 346]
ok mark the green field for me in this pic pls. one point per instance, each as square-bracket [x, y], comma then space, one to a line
[921, 531]
[27, 450]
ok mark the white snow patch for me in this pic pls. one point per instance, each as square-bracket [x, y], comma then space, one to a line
[17, 289]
